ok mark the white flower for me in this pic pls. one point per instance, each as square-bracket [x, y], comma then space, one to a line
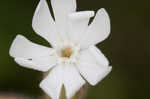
[73, 57]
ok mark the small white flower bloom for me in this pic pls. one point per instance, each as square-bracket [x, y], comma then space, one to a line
[73, 51]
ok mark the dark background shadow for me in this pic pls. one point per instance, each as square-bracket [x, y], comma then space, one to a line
[129, 49]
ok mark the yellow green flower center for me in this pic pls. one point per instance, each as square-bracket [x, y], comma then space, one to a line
[66, 52]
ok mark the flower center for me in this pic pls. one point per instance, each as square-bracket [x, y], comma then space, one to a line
[66, 52]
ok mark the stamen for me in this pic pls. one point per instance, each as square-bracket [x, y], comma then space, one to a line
[66, 52]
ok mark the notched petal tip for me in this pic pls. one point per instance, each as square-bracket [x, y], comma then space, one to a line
[102, 10]
[99, 56]
[98, 30]
[52, 84]
[81, 15]
[12, 47]
[102, 76]
[44, 25]
[41, 4]
[104, 13]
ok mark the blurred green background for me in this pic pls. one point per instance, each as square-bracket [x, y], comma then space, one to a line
[129, 49]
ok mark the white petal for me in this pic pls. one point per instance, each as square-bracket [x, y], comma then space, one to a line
[94, 56]
[93, 73]
[78, 23]
[66, 75]
[44, 24]
[98, 31]
[23, 48]
[40, 64]
[52, 84]
[99, 56]
[61, 9]
[72, 80]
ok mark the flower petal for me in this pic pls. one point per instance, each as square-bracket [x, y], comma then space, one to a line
[94, 56]
[72, 80]
[78, 23]
[52, 84]
[44, 25]
[93, 65]
[99, 56]
[41, 64]
[93, 73]
[62, 75]
[23, 48]
[98, 31]
[61, 9]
